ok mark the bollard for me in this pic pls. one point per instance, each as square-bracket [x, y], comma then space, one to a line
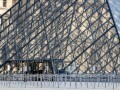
[25, 80]
[113, 83]
[76, 81]
[81, 80]
[58, 80]
[94, 81]
[53, 79]
[70, 81]
[9, 79]
[41, 80]
[65, 79]
[116, 78]
[108, 79]
[105, 80]
[37, 80]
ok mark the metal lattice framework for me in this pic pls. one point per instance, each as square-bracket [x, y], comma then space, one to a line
[77, 36]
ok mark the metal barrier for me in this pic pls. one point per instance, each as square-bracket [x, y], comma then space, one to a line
[60, 81]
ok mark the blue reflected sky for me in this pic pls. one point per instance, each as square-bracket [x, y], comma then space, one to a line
[115, 7]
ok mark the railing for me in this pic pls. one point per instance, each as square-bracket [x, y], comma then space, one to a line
[60, 81]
